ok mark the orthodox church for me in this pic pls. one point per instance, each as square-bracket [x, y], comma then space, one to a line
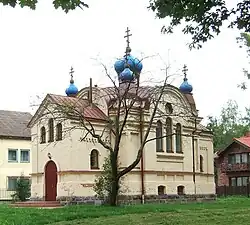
[68, 151]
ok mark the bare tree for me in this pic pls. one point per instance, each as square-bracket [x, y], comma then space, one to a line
[128, 103]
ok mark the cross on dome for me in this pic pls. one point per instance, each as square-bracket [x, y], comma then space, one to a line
[185, 69]
[71, 72]
[128, 49]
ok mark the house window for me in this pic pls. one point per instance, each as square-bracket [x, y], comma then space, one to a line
[161, 190]
[12, 183]
[169, 139]
[59, 132]
[25, 156]
[244, 158]
[232, 181]
[201, 163]
[12, 155]
[159, 141]
[238, 181]
[94, 159]
[238, 158]
[51, 130]
[43, 135]
[231, 159]
[178, 144]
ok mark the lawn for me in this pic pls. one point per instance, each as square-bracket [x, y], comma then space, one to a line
[224, 211]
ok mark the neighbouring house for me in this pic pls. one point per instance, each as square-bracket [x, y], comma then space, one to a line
[66, 159]
[233, 163]
[15, 146]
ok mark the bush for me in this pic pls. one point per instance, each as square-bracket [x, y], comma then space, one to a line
[22, 190]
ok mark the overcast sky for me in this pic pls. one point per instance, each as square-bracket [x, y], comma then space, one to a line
[37, 49]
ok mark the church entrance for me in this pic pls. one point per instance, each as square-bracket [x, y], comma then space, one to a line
[50, 181]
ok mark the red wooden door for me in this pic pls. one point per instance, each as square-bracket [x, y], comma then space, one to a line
[50, 181]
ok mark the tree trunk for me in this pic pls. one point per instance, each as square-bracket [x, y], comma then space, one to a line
[115, 181]
[114, 193]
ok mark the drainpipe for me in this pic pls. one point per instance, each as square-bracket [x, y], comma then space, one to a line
[193, 150]
[142, 158]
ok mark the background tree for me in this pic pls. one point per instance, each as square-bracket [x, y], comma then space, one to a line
[202, 19]
[230, 124]
[65, 5]
[244, 41]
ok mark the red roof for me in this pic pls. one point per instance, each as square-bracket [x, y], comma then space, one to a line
[81, 105]
[245, 140]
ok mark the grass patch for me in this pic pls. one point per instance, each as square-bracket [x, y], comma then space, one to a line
[223, 211]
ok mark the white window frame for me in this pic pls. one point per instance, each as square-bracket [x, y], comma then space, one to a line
[13, 149]
[24, 150]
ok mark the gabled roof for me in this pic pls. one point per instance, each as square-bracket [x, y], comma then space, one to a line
[13, 124]
[244, 141]
[81, 105]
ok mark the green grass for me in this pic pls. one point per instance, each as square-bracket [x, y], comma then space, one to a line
[224, 211]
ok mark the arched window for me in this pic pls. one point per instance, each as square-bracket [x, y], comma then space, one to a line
[43, 135]
[169, 108]
[169, 138]
[201, 163]
[159, 141]
[180, 190]
[178, 144]
[59, 132]
[94, 159]
[161, 190]
[51, 130]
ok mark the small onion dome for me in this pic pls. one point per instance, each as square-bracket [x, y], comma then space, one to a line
[185, 87]
[72, 90]
[126, 75]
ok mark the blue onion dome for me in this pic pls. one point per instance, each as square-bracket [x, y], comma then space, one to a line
[126, 75]
[119, 65]
[185, 87]
[72, 90]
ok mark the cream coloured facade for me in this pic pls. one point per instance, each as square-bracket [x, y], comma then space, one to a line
[15, 150]
[163, 171]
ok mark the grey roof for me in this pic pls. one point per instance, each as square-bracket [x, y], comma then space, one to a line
[14, 124]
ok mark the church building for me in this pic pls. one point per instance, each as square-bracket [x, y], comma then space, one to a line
[73, 134]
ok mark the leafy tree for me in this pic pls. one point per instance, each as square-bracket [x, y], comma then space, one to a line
[244, 41]
[203, 19]
[65, 5]
[230, 124]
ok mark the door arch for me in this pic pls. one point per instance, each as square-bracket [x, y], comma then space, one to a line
[50, 181]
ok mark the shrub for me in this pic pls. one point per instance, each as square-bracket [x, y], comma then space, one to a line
[22, 192]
